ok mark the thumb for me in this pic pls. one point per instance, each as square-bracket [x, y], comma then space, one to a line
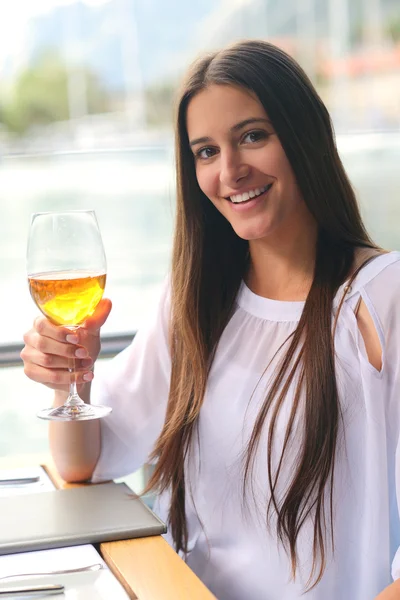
[100, 315]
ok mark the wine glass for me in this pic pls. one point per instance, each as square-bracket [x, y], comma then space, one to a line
[66, 266]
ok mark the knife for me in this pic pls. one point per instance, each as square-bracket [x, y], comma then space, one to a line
[33, 590]
[19, 480]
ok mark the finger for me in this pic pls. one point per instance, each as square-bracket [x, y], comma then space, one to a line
[47, 345]
[52, 361]
[56, 378]
[99, 317]
[48, 329]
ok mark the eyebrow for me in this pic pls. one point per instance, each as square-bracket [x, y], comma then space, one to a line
[233, 129]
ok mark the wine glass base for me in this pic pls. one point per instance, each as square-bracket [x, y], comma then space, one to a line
[81, 412]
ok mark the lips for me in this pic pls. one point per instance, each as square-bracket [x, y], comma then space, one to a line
[251, 201]
[248, 205]
[250, 195]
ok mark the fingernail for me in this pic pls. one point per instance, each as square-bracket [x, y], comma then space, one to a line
[87, 362]
[81, 353]
[88, 376]
[72, 339]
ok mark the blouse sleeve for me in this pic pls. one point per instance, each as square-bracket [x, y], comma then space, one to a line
[136, 385]
[382, 297]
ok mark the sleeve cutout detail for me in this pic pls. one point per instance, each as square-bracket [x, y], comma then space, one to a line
[370, 331]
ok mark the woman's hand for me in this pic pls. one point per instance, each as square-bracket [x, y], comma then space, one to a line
[50, 350]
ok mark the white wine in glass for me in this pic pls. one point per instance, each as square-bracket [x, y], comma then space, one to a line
[66, 266]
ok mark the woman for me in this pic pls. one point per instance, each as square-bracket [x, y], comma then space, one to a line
[265, 388]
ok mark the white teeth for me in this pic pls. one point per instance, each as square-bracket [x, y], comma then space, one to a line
[247, 195]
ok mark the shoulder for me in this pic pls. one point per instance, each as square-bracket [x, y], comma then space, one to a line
[374, 295]
[380, 276]
[378, 290]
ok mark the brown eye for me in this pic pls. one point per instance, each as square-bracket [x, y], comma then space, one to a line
[205, 153]
[254, 136]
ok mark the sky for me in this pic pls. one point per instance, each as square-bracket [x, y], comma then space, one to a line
[34, 7]
[14, 17]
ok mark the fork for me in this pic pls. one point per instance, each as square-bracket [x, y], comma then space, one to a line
[94, 567]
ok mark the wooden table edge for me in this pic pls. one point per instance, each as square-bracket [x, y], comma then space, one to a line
[168, 578]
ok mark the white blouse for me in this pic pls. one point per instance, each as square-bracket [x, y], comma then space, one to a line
[230, 547]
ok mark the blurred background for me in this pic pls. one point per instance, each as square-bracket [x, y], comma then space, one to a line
[86, 103]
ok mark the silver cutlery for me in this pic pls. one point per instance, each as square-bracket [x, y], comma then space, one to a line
[33, 590]
[94, 567]
[19, 480]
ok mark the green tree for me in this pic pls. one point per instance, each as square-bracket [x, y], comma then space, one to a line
[393, 27]
[40, 95]
[160, 102]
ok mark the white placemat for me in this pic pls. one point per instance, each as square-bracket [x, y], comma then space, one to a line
[43, 485]
[98, 585]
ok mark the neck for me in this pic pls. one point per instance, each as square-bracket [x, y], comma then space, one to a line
[282, 265]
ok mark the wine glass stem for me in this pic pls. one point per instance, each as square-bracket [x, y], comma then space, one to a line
[73, 399]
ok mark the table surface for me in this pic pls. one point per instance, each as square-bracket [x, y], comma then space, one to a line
[148, 568]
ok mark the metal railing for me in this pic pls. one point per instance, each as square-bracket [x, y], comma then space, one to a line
[111, 344]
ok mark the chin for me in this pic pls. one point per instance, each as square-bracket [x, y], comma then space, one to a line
[250, 234]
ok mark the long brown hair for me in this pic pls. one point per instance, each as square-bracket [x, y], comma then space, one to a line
[210, 261]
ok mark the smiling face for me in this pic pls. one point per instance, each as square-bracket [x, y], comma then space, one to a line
[241, 165]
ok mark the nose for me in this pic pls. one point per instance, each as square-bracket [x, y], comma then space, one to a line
[232, 168]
